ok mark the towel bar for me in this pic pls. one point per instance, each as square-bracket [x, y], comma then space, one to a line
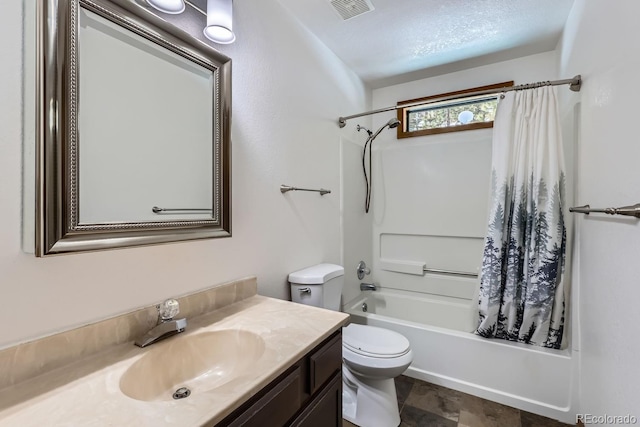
[633, 210]
[285, 188]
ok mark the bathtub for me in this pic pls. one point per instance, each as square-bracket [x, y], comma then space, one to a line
[533, 379]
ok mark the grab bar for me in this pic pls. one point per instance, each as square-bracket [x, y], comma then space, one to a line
[633, 210]
[418, 268]
[449, 272]
[285, 188]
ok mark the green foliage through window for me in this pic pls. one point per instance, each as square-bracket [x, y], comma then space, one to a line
[449, 114]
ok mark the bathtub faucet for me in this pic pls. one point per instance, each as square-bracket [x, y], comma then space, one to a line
[367, 287]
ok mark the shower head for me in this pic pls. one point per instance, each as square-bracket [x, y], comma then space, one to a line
[393, 123]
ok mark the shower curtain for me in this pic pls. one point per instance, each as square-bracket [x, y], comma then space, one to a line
[521, 283]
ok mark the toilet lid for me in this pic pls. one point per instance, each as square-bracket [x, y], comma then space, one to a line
[373, 341]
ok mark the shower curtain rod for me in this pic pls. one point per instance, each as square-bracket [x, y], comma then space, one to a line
[574, 84]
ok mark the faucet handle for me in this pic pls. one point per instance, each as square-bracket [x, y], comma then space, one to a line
[168, 309]
[362, 270]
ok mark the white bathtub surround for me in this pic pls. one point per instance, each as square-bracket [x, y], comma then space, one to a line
[427, 212]
[424, 210]
[355, 223]
[521, 286]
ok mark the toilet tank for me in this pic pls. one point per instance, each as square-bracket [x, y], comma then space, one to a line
[319, 285]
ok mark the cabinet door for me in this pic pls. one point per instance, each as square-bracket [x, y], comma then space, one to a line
[276, 407]
[325, 410]
[324, 363]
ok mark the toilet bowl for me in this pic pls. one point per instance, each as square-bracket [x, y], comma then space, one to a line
[372, 357]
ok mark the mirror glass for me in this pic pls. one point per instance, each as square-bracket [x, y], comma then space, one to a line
[134, 130]
[155, 150]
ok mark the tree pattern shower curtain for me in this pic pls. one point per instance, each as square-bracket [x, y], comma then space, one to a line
[521, 283]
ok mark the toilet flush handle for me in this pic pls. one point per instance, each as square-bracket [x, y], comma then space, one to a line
[305, 290]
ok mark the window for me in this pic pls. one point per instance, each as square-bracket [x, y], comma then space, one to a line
[463, 113]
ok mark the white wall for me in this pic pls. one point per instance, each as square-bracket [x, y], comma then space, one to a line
[288, 91]
[598, 43]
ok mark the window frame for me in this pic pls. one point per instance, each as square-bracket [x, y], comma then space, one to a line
[402, 112]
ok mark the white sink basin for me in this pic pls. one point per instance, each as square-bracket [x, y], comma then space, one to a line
[199, 362]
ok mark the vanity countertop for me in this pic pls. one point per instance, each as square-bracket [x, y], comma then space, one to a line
[87, 392]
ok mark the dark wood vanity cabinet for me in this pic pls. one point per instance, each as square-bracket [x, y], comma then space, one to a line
[326, 409]
[309, 394]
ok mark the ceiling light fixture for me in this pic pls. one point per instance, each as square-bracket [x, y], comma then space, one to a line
[219, 27]
[173, 7]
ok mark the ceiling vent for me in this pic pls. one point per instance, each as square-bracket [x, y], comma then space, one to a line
[348, 9]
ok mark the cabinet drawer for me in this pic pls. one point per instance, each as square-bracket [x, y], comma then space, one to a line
[276, 407]
[325, 362]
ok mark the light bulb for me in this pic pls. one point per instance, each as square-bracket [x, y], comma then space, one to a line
[173, 7]
[465, 117]
[219, 34]
[219, 27]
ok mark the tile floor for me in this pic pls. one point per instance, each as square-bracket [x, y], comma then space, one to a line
[427, 405]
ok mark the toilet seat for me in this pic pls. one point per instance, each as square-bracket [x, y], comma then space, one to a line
[374, 342]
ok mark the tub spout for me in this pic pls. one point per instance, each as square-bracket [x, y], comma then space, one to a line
[368, 287]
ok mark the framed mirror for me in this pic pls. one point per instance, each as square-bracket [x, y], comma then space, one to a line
[134, 122]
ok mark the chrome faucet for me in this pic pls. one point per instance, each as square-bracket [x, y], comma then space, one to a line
[362, 270]
[166, 325]
[368, 287]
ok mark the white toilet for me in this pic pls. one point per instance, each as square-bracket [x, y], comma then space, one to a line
[372, 357]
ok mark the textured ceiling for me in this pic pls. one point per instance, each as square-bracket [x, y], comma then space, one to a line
[404, 40]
